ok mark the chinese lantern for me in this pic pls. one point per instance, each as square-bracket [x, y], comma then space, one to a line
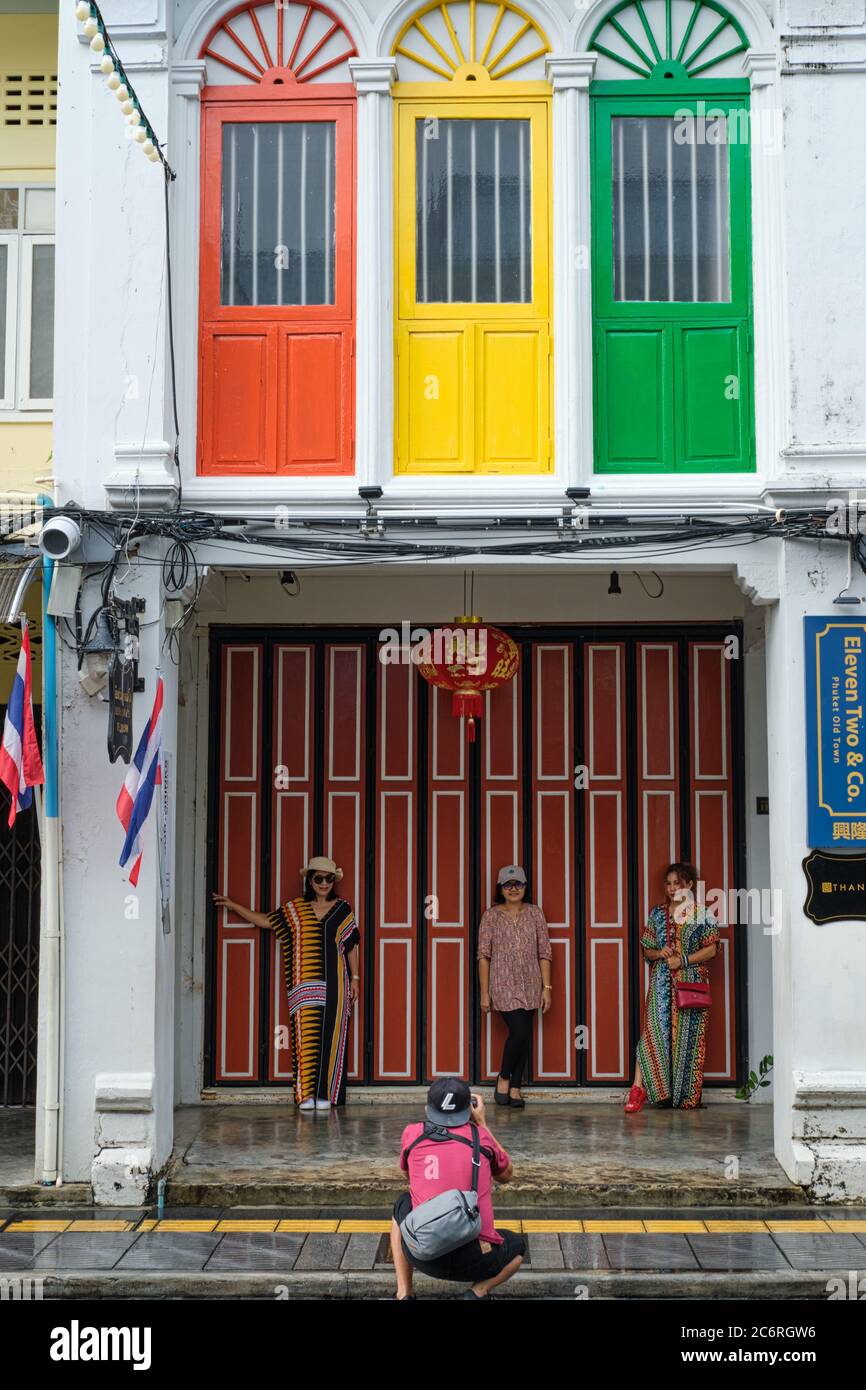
[468, 659]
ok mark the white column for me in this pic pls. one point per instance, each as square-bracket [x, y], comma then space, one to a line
[819, 1043]
[374, 342]
[572, 274]
[768, 262]
[118, 1037]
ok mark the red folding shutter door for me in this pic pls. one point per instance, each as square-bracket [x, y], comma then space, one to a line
[521, 794]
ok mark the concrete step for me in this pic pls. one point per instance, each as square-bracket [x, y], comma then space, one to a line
[274, 1189]
[572, 1285]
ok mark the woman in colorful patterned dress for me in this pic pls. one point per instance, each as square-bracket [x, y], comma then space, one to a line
[320, 943]
[680, 937]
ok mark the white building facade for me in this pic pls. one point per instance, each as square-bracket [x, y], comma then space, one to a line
[463, 256]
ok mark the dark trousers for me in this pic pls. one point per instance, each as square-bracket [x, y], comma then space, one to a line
[515, 1053]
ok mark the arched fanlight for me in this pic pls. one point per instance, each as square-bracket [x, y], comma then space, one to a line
[668, 38]
[475, 40]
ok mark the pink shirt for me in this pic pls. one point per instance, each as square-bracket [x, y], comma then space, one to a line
[437, 1167]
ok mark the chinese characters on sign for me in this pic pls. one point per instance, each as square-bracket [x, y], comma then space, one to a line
[835, 734]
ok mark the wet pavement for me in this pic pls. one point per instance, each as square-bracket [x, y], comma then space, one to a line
[775, 1252]
[564, 1152]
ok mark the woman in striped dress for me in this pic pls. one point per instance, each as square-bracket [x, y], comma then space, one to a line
[320, 942]
[679, 940]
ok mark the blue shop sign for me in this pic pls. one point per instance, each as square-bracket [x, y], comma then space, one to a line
[836, 731]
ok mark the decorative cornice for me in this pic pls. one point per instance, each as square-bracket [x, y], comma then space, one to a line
[373, 74]
[188, 78]
[762, 69]
[572, 70]
[144, 474]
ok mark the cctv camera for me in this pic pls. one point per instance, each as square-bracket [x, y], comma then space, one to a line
[59, 537]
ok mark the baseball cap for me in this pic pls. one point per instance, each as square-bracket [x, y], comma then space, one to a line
[511, 872]
[449, 1102]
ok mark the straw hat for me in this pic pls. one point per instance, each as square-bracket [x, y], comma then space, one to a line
[319, 864]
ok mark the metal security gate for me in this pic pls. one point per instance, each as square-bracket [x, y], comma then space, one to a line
[20, 866]
[612, 753]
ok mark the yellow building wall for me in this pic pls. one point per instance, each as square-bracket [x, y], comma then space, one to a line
[28, 45]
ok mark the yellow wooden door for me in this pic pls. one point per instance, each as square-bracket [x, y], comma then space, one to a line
[473, 285]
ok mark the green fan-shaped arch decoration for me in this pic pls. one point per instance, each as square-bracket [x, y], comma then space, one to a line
[684, 47]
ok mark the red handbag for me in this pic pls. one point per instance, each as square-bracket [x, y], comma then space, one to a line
[693, 995]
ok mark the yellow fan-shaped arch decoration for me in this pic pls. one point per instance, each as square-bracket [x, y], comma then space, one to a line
[479, 40]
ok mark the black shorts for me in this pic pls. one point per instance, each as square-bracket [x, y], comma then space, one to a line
[469, 1264]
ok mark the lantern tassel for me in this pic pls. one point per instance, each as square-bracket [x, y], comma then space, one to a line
[470, 728]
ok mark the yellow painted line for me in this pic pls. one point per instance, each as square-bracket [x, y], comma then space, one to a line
[263, 1226]
[841, 1227]
[632, 1228]
[561, 1227]
[36, 1226]
[800, 1228]
[727, 1227]
[510, 1226]
[100, 1225]
[670, 1228]
[309, 1227]
[148, 1225]
[349, 1226]
[180, 1224]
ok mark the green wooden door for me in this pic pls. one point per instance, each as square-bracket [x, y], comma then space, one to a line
[671, 285]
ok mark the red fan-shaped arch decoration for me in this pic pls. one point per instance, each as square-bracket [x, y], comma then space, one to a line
[272, 43]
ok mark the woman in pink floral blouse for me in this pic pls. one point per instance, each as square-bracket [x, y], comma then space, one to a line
[514, 974]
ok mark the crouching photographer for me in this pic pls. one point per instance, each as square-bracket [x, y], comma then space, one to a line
[443, 1226]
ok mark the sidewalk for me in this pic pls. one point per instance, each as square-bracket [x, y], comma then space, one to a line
[270, 1254]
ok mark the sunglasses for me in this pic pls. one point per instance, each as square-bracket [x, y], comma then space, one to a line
[513, 883]
[323, 878]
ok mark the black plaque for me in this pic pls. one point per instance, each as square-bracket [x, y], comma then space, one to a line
[121, 683]
[837, 887]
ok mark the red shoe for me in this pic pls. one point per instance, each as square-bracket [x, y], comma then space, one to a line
[636, 1100]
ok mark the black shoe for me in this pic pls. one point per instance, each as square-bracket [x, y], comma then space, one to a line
[485, 1298]
[517, 1104]
[501, 1098]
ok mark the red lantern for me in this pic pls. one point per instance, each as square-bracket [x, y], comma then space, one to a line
[467, 659]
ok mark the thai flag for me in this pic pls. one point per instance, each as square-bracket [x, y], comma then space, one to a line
[20, 762]
[136, 794]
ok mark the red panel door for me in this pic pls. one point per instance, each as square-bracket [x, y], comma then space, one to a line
[712, 796]
[554, 860]
[395, 1030]
[502, 837]
[449, 964]
[291, 820]
[237, 960]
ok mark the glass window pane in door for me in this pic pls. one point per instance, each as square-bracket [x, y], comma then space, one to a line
[278, 213]
[39, 210]
[671, 224]
[473, 226]
[42, 324]
[8, 209]
[4, 301]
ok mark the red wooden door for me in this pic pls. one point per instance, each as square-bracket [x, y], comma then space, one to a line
[603, 761]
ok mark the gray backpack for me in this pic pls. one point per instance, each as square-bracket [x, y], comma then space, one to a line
[450, 1219]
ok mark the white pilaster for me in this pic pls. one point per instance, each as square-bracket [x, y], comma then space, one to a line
[572, 275]
[374, 343]
[819, 1076]
[768, 268]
